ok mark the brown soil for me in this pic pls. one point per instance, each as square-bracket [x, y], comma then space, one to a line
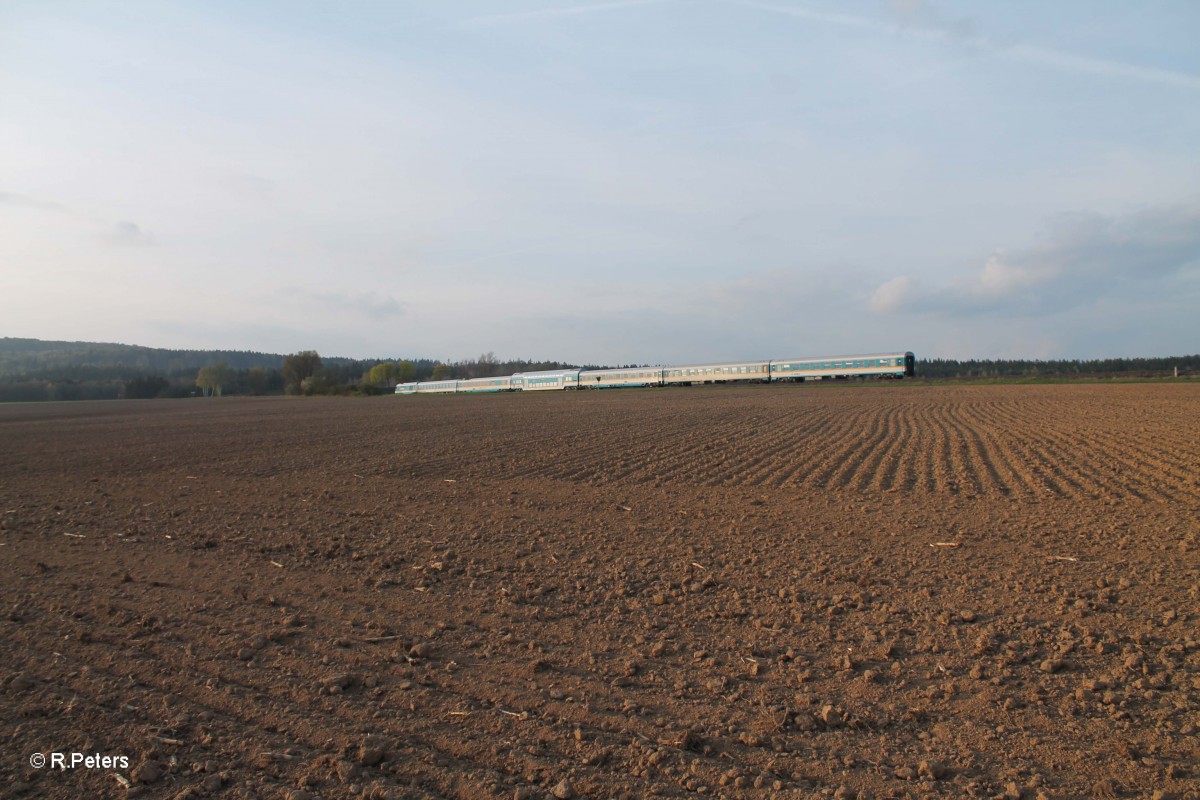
[875, 590]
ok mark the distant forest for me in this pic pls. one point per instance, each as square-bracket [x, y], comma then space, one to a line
[1060, 368]
[33, 370]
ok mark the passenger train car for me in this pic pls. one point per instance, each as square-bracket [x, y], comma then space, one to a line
[878, 365]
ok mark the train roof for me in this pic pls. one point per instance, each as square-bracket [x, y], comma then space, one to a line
[755, 363]
[619, 369]
[851, 357]
[546, 373]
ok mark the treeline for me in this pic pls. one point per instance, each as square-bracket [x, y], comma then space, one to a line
[216, 378]
[488, 366]
[1060, 368]
[34, 370]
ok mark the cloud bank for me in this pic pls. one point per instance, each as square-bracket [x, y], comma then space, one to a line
[1084, 258]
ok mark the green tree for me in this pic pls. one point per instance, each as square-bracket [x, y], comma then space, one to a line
[211, 378]
[256, 380]
[299, 367]
[440, 372]
[320, 382]
[385, 374]
[408, 371]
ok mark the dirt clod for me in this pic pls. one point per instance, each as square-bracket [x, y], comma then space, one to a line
[372, 750]
[148, 772]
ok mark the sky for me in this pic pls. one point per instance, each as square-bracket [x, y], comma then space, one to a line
[605, 182]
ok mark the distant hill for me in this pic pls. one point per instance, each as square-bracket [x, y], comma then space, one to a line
[50, 360]
[35, 369]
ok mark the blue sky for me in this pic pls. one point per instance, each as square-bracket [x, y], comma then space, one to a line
[648, 181]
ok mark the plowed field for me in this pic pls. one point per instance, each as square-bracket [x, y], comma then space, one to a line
[847, 591]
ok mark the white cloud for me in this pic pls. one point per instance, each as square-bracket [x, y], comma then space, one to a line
[891, 295]
[1000, 279]
[128, 234]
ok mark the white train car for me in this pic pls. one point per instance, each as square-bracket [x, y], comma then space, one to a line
[545, 380]
[717, 373]
[611, 378]
[437, 387]
[895, 365]
[406, 388]
[476, 385]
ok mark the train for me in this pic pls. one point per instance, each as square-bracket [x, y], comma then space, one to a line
[788, 370]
